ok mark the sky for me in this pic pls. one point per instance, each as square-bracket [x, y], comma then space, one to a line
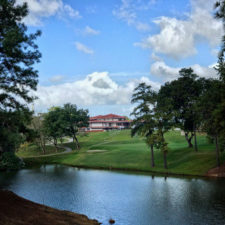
[95, 52]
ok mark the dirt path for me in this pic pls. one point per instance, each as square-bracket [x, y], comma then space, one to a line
[67, 149]
[217, 172]
[15, 210]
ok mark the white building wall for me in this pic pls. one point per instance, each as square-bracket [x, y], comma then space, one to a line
[96, 124]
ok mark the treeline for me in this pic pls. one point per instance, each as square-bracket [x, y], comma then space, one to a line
[59, 122]
[190, 103]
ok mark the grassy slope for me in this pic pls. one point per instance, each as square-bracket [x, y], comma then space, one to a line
[27, 150]
[124, 152]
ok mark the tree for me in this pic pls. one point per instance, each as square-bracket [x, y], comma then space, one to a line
[18, 54]
[209, 103]
[152, 119]
[163, 123]
[144, 123]
[181, 95]
[40, 137]
[64, 121]
[220, 111]
[14, 129]
[54, 125]
[75, 119]
[220, 14]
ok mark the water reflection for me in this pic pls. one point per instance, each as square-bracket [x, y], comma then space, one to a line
[128, 198]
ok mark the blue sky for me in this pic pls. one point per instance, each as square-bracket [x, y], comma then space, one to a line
[96, 52]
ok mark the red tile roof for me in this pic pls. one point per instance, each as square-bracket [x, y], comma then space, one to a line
[108, 116]
[109, 121]
[105, 127]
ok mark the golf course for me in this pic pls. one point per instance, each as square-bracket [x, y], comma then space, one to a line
[118, 150]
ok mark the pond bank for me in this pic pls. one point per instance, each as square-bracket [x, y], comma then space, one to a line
[118, 151]
[213, 173]
[128, 198]
[16, 210]
[217, 171]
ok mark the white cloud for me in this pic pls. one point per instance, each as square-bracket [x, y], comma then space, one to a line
[83, 48]
[91, 9]
[160, 69]
[127, 12]
[96, 89]
[71, 12]
[215, 51]
[142, 26]
[90, 31]
[177, 38]
[39, 9]
[168, 73]
[155, 57]
[56, 78]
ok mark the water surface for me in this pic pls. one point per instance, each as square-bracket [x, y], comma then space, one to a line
[130, 199]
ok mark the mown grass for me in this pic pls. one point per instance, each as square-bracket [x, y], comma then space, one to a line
[120, 151]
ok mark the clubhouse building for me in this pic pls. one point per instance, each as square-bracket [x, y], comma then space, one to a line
[108, 122]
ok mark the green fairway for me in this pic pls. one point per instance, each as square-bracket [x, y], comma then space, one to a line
[117, 150]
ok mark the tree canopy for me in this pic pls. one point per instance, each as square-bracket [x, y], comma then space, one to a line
[65, 121]
[18, 54]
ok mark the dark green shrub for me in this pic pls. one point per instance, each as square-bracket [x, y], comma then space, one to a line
[8, 160]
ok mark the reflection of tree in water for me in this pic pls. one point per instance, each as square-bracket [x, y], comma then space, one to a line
[101, 194]
[199, 198]
[6, 178]
[180, 200]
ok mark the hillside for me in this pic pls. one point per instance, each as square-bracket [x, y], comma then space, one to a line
[117, 150]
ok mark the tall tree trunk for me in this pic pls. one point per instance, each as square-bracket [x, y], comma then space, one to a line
[152, 156]
[217, 152]
[76, 142]
[55, 143]
[165, 160]
[196, 146]
[61, 140]
[164, 152]
[1, 150]
[190, 145]
[43, 147]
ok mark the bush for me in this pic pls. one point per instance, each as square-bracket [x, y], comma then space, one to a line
[8, 160]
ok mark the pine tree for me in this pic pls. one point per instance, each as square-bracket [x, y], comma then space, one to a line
[18, 54]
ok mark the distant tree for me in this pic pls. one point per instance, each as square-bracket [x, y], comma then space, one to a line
[54, 125]
[74, 119]
[39, 137]
[181, 95]
[18, 54]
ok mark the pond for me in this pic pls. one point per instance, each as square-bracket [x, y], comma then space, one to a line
[129, 199]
